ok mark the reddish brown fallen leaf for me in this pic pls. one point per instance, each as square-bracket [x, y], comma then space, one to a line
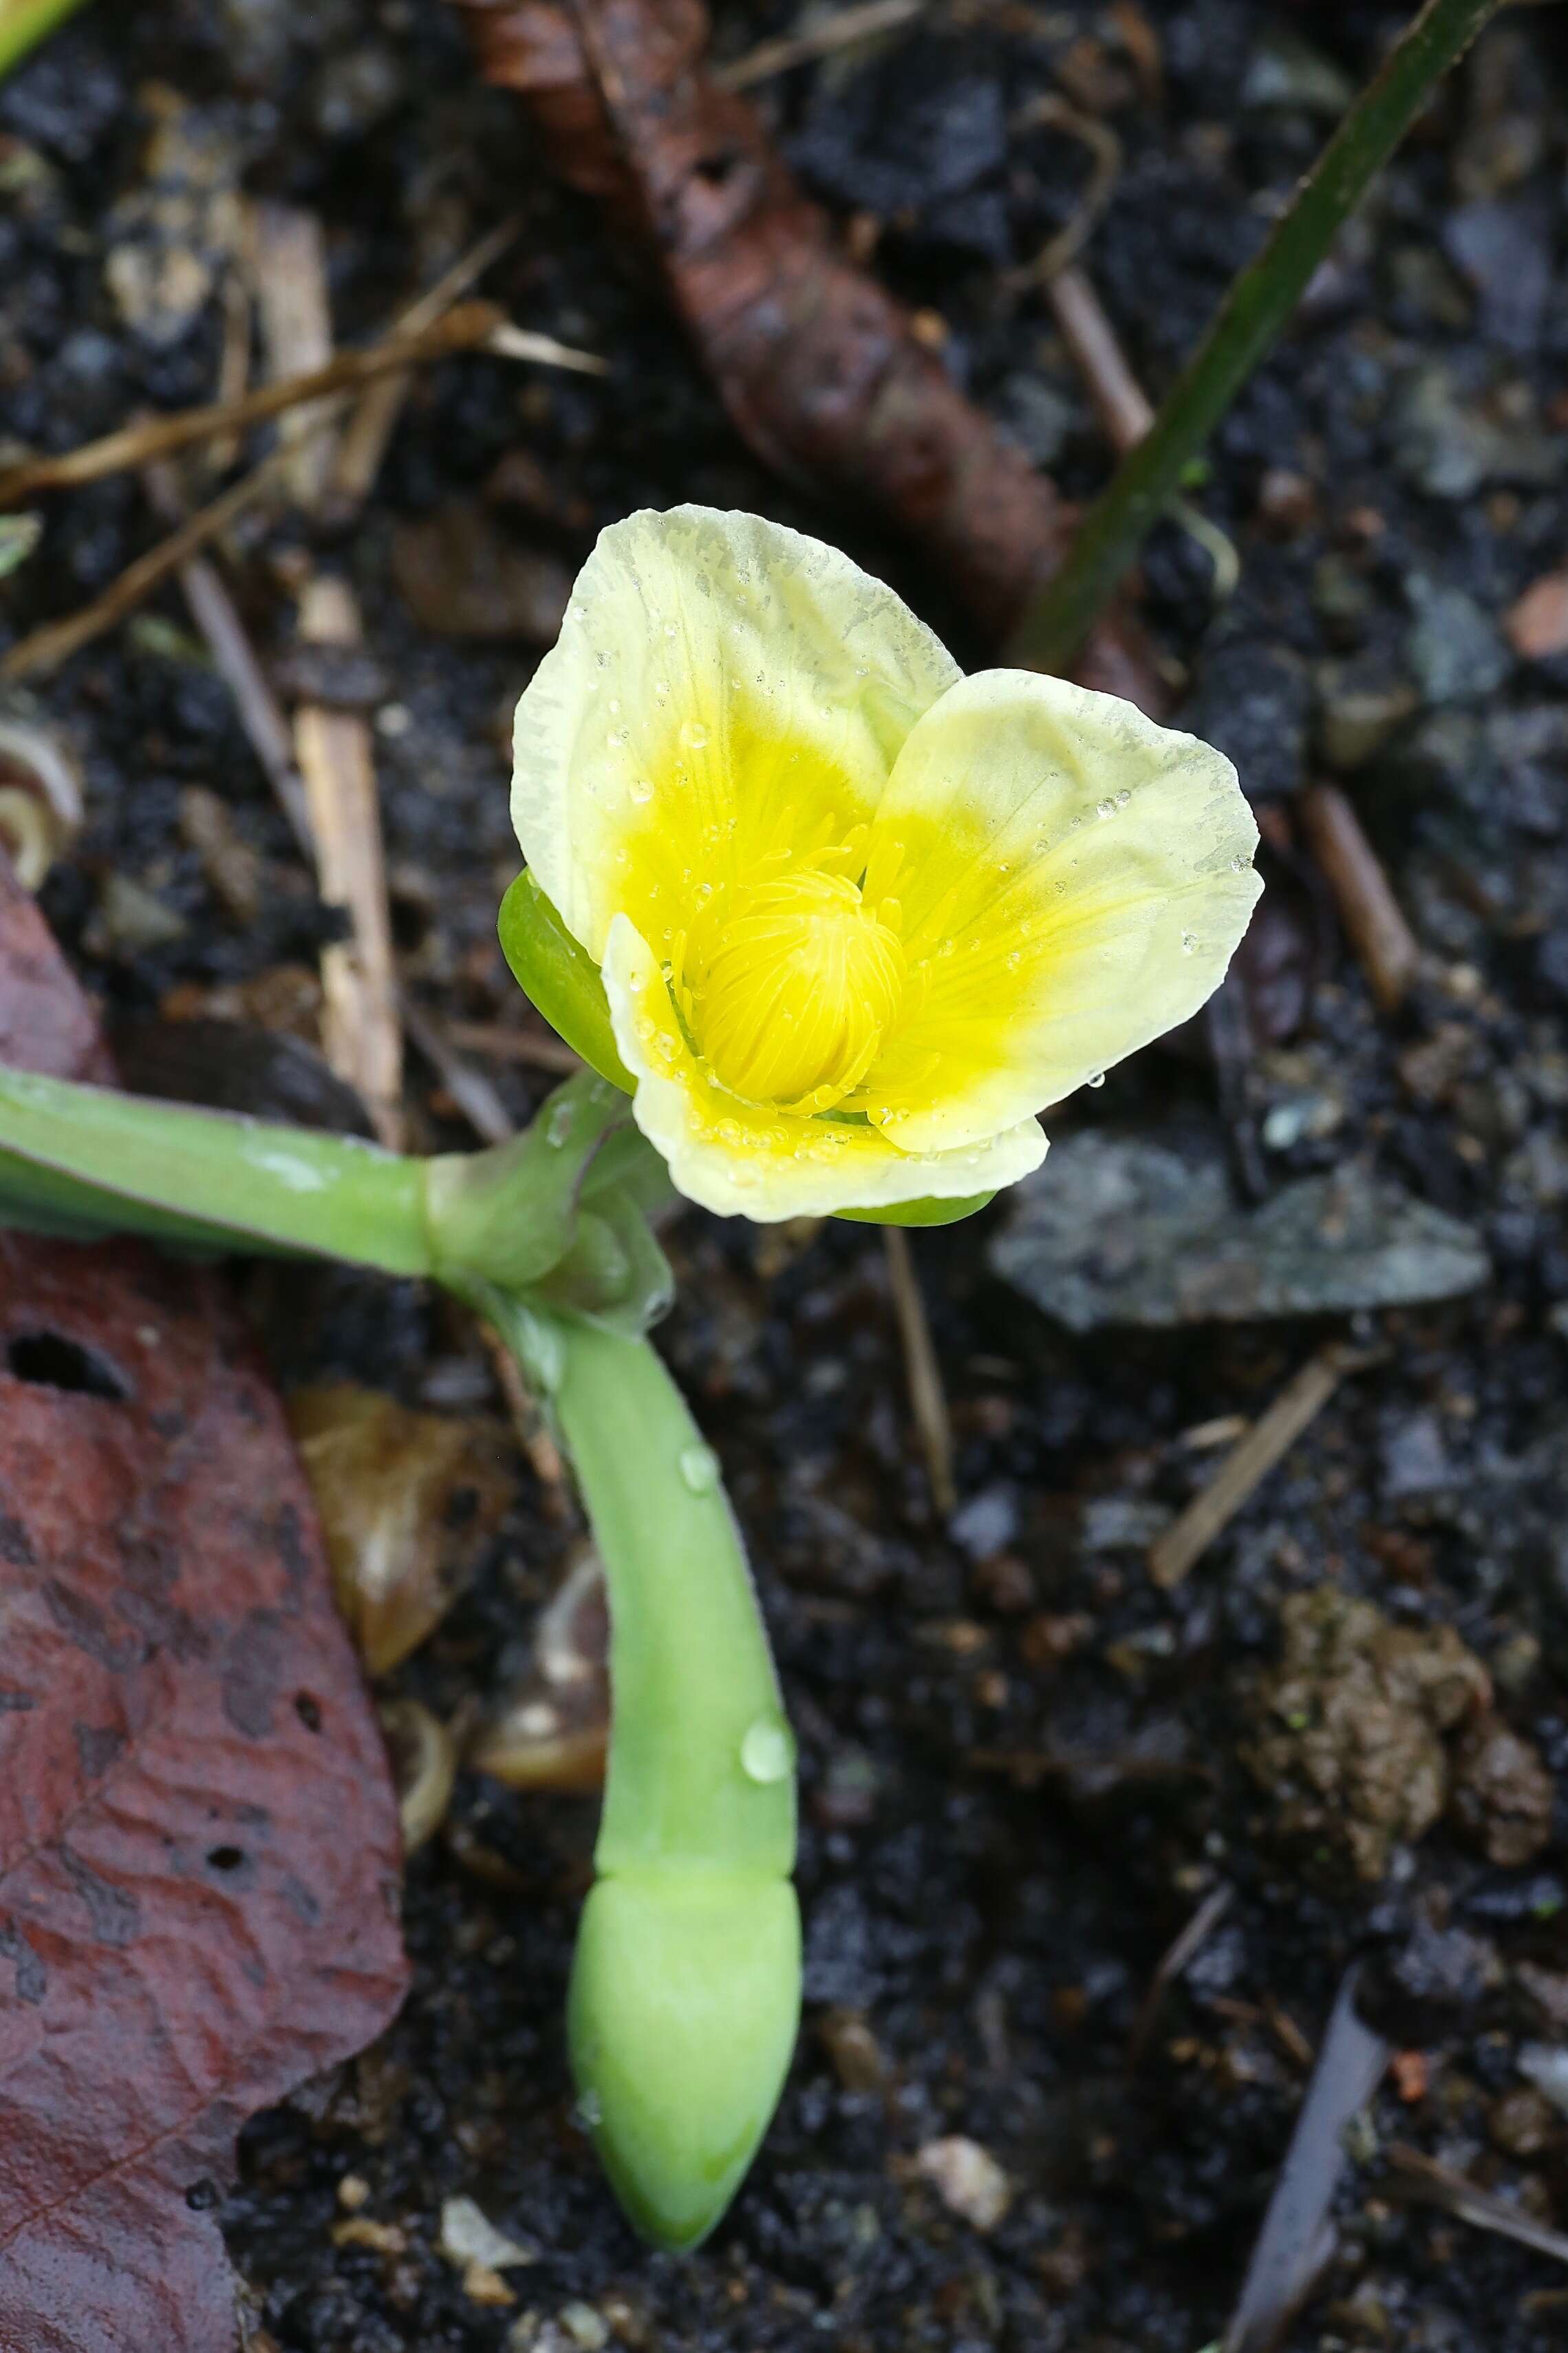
[823, 373]
[198, 1837]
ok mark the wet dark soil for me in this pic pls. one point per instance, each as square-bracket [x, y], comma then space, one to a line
[1025, 1766]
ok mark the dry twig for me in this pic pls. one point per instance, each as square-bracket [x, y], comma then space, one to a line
[1250, 1461]
[928, 1400]
[1383, 942]
[360, 1029]
[1119, 398]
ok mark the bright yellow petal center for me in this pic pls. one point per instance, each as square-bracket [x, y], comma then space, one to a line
[790, 983]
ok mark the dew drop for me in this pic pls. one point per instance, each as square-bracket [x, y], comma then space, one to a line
[767, 1751]
[589, 2112]
[670, 630]
[699, 1469]
[642, 790]
[558, 1126]
[615, 704]
[1097, 1080]
[1122, 798]
[1105, 808]
[693, 733]
[1189, 943]
[1238, 864]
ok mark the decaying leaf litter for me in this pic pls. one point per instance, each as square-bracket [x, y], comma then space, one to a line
[1024, 1763]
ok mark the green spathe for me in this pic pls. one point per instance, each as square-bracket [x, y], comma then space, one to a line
[684, 2005]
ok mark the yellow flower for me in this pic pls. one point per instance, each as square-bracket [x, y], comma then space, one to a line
[859, 917]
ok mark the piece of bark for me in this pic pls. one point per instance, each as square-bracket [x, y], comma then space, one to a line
[198, 1836]
[819, 367]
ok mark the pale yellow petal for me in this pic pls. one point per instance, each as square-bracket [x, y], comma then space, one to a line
[722, 687]
[739, 1159]
[1072, 880]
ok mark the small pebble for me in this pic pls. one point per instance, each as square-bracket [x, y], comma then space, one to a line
[967, 2178]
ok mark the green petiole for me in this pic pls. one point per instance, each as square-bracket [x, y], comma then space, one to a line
[686, 1988]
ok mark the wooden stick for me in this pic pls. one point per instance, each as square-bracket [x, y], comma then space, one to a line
[1385, 947]
[1250, 1461]
[471, 326]
[288, 257]
[928, 1400]
[361, 1033]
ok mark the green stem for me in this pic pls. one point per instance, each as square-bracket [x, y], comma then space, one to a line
[686, 1985]
[23, 24]
[1252, 315]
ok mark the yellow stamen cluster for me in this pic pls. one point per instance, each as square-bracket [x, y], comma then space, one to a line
[788, 984]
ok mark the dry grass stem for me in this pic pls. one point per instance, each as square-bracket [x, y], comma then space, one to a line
[368, 433]
[1250, 1461]
[361, 1032]
[843, 31]
[1183, 1947]
[215, 613]
[1105, 151]
[1439, 2185]
[469, 327]
[469, 1089]
[47, 648]
[529, 1047]
[928, 1400]
[1384, 944]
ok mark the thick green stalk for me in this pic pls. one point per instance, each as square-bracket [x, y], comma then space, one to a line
[86, 1160]
[685, 1986]
[1252, 315]
[24, 23]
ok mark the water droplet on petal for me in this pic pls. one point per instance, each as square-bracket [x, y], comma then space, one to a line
[699, 1469]
[693, 733]
[1122, 798]
[558, 1126]
[1097, 1080]
[1189, 943]
[767, 1750]
[642, 790]
[1105, 808]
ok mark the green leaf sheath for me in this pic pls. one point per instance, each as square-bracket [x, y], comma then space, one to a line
[685, 1987]
[1251, 316]
[86, 1160]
